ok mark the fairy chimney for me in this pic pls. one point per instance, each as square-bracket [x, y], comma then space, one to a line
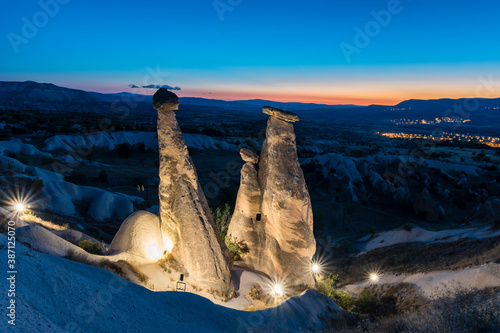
[185, 219]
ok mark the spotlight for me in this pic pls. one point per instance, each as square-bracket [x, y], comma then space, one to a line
[168, 244]
[278, 290]
[153, 251]
[374, 277]
[317, 268]
[20, 207]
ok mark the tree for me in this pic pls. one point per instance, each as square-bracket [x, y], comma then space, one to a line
[124, 150]
[103, 176]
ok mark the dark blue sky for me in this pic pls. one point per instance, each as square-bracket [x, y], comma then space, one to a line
[284, 50]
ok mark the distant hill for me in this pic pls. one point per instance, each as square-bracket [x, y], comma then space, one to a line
[241, 105]
[31, 95]
[123, 96]
[293, 106]
[447, 103]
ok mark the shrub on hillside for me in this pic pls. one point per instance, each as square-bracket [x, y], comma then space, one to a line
[222, 217]
[76, 177]
[124, 150]
[340, 297]
[103, 177]
[93, 248]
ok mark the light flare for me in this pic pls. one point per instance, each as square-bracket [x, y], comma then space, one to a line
[278, 290]
[374, 277]
[20, 207]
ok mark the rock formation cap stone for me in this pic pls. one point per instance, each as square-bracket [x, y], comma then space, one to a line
[280, 114]
[249, 156]
[164, 100]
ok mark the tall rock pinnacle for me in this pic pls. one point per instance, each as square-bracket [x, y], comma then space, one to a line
[280, 236]
[185, 218]
[244, 225]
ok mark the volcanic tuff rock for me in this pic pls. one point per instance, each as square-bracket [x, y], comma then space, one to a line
[426, 206]
[244, 226]
[249, 156]
[280, 114]
[488, 213]
[185, 217]
[140, 235]
[273, 214]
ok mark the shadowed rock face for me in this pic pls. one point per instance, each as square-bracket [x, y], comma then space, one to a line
[185, 217]
[282, 242]
[488, 213]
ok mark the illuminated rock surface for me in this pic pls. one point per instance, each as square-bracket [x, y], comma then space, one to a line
[249, 156]
[244, 227]
[140, 235]
[279, 233]
[280, 114]
[185, 217]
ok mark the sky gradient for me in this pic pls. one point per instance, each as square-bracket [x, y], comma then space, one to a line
[241, 49]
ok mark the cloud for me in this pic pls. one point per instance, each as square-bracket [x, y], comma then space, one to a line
[154, 86]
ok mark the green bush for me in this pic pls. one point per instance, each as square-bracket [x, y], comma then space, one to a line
[467, 311]
[37, 186]
[47, 161]
[370, 305]
[87, 245]
[340, 297]
[124, 150]
[407, 227]
[211, 131]
[235, 249]
[222, 217]
[256, 293]
[82, 207]
[103, 177]
[76, 177]
[141, 147]
[401, 260]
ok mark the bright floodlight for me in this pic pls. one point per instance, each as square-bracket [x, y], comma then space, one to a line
[168, 244]
[20, 207]
[315, 268]
[278, 289]
[153, 251]
[374, 277]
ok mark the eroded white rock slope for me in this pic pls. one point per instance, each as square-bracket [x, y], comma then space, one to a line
[59, 196]
[59, 295]
[110, 140]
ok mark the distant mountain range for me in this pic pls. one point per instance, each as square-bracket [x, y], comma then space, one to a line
[252, 104]
[448, 103]
[30, 95]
